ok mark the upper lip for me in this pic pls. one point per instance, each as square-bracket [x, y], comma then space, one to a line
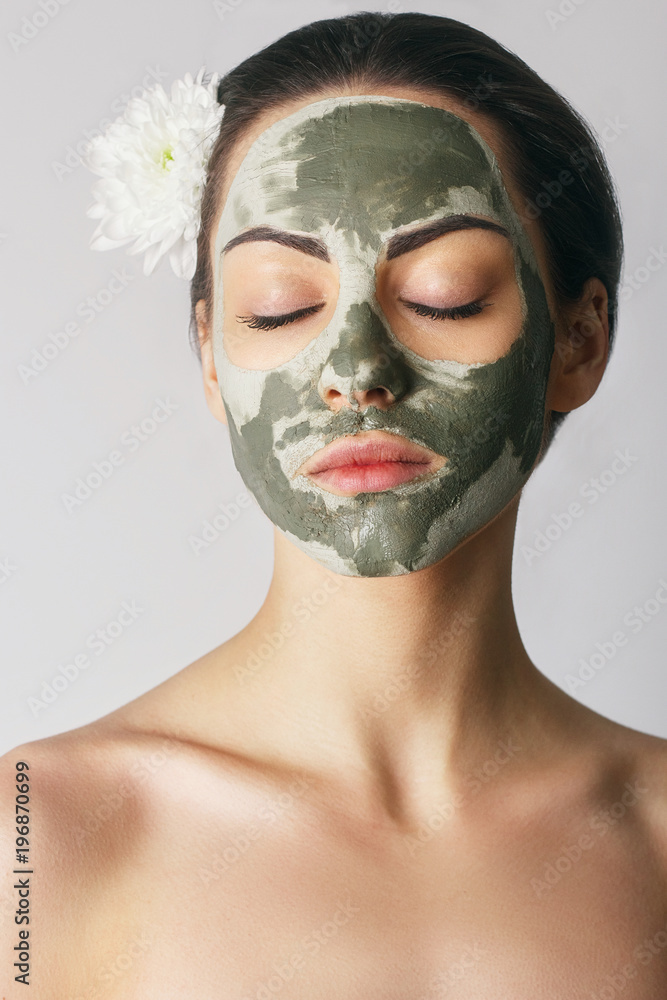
[368, 448]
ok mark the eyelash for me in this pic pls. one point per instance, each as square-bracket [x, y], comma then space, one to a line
[455, 312]
[273, 322]
[430, 312]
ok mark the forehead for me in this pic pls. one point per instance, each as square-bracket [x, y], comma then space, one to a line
[366, 163]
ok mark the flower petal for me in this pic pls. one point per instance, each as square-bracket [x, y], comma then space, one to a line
[152, 160]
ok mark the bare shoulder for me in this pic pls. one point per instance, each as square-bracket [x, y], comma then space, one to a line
[80, 764]
[72, 811]
[646, 753]
[106, 794]
[652, 757]
[642, 766]
[79, 782]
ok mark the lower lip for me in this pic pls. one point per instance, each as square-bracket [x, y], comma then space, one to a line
[370, 478]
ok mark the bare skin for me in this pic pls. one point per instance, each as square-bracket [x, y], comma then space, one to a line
[392, 802]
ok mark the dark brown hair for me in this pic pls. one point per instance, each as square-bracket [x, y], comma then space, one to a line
[552, 153]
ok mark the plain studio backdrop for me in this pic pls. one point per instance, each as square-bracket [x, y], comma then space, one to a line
[165, 559]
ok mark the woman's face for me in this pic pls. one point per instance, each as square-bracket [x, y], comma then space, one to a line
[375, 292]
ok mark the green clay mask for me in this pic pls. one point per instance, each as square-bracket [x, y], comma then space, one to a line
[353, 173]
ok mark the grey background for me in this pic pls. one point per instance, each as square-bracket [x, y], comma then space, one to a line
[67, 574]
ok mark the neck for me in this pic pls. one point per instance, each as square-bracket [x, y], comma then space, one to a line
[395, 690]
[404, 685]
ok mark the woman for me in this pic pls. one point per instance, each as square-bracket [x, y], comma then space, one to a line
[371, 790]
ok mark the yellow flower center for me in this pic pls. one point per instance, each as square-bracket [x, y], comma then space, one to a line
[166, 156]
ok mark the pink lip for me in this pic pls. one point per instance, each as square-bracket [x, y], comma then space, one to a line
[369, 462]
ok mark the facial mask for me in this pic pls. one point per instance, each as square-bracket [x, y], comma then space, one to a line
[345, 170]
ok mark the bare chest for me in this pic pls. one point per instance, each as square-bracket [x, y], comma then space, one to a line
[283, 911]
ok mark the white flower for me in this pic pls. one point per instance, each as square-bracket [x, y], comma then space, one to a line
[152, 160]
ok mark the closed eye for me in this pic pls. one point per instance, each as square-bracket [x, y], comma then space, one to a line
[454, 312]
[273, 322]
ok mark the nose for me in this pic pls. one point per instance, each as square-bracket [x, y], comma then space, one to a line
[365, 368]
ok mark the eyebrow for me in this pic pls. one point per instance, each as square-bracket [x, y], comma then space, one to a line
[397, 245]
[405, 242]
[310, 245]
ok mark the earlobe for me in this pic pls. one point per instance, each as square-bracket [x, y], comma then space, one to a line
[581, 349]
[209, 374]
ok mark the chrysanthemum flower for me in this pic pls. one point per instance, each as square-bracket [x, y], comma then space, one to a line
[152, 161]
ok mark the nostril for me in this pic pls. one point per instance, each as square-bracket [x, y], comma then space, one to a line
[380, 396]
[334, 399]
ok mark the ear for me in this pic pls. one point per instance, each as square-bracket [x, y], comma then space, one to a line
[209, 374]
[581, 349]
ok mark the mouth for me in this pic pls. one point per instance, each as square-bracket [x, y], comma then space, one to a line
[369, 462]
